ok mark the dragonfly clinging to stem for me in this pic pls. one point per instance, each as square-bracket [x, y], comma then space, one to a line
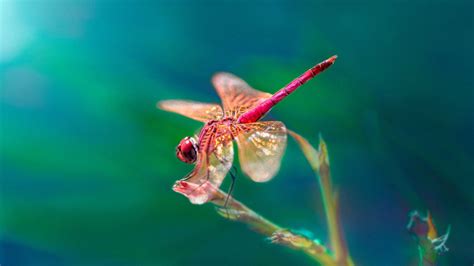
[261, 144]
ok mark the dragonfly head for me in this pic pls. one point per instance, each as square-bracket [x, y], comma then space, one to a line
[187, 150]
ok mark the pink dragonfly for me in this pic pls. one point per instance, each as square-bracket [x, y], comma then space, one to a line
[261, 144]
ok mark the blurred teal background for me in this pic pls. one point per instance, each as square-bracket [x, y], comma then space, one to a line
[87, 161]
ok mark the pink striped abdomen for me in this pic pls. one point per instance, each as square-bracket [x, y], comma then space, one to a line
[259, 111]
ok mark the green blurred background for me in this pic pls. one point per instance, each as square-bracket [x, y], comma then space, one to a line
[87, 161]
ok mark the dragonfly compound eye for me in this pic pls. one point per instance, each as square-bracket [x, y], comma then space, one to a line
[187, 150]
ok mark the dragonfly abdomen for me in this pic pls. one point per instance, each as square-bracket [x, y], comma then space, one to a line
[260, 110]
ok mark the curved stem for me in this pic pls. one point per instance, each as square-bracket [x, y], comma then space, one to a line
[233, 209]
[319, 161]
[237, 211]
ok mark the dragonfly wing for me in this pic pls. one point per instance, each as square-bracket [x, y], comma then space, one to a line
[195, 110]
[261, 147]
[220, 162]
[236, 95]
[215, 159]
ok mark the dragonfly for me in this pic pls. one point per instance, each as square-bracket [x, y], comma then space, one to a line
[261, 144]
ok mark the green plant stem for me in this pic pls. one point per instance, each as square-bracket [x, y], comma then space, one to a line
[319, 162]
[237, 211]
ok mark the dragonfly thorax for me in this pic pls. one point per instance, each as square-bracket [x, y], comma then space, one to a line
[187, 150]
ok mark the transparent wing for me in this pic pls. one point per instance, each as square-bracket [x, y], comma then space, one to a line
[236, 95]
[195, 110]
[215, 158]
[261, 147]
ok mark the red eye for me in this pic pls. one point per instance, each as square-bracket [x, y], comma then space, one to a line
[187, 150]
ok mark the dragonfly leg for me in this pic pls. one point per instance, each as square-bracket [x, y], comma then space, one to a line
[201, 183]
[188, 176]
[233, 175]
